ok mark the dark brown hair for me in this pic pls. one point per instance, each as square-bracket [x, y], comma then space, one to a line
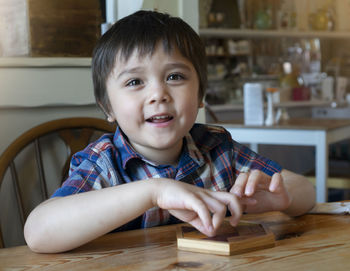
[143, 30]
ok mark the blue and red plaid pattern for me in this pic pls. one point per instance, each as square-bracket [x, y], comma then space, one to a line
[210, 159]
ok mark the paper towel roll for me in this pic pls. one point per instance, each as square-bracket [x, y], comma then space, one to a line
[253, 104]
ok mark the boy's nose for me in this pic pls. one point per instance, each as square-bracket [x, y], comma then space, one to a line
[159, 94]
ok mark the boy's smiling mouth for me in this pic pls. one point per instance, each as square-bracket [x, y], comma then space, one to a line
[159, 118]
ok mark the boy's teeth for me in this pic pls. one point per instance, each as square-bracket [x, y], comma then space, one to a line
[160, 117]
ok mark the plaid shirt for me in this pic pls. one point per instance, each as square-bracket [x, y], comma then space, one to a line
[209, 159]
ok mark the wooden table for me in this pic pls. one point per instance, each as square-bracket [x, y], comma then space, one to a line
[309, 242]
[319, 133]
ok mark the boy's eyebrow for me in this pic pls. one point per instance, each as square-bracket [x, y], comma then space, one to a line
[132, 70]
[179, 65]
[140, 69]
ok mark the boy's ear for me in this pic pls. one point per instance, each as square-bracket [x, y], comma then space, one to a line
[109, 117]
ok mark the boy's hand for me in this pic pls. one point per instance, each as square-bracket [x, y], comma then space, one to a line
[259, 192]
[202, 208]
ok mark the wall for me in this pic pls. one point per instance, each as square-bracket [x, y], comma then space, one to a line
[34, 90]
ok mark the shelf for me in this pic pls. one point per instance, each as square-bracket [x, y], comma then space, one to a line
[229, 55]
[32, 62]
[291, 104]
[250, 33]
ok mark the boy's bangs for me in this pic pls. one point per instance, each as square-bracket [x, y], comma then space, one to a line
[146, 45]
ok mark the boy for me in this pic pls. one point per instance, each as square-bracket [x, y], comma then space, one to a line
[149, 75]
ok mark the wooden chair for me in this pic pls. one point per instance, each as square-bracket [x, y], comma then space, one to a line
[75, 133]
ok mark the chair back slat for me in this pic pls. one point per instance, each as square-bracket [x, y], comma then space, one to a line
[39, 162]
[74, 144]
[17, 192]
[1, 241]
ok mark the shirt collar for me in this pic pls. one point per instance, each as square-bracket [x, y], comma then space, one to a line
[206, 137]
[125, 150]
[192, 150]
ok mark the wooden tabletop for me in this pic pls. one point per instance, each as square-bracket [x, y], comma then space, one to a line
[295, 123]
[310, 242]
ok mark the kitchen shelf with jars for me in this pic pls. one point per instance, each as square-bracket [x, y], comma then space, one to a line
[256, 34]
[252, 40]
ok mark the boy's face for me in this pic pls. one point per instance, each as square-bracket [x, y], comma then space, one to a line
[154, 100]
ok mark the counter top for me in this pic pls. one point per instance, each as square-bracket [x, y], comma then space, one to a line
[291, 104]
[13, 62]
[293, 123]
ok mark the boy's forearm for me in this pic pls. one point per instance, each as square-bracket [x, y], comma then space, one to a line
[61, 224]
[302, 193]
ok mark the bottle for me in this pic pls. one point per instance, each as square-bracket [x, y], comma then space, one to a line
[288, 82]
[270, 114]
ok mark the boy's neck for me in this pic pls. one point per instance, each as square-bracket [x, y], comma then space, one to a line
[169, 156]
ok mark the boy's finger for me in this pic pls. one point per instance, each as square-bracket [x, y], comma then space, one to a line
[216, 207]
[198, 224]
[233, 204]
[257, 180]
[198, 206]
[252, 182]
[240, 184]
[248, 201]
[276, 181]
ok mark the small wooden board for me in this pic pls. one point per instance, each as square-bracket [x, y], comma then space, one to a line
[245, 237]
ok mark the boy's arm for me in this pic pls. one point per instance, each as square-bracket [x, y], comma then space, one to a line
[286, 191]
[61, 224]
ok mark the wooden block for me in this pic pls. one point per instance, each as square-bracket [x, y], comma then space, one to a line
[245, 237]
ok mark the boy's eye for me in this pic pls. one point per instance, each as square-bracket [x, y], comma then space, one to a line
[133, 82]
[175, 76]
